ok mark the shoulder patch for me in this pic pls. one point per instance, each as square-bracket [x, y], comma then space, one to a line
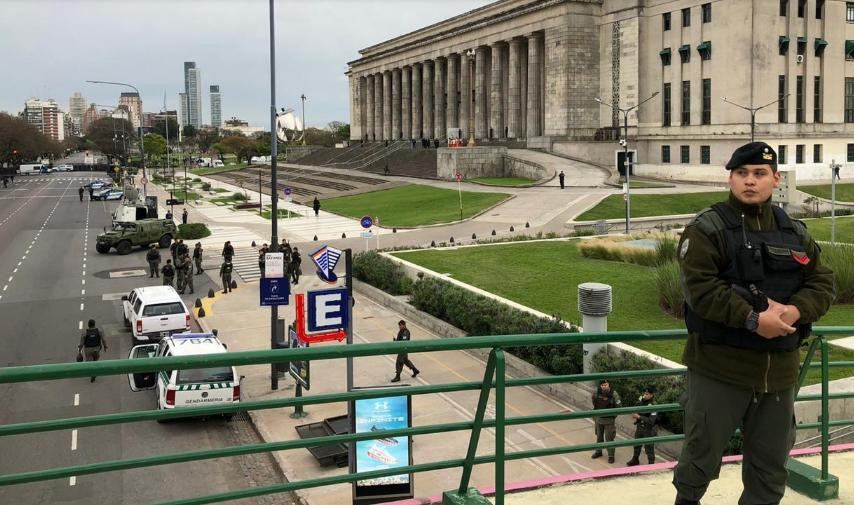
[684, 249]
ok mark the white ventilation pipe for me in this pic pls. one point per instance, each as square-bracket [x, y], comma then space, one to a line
[594, 303]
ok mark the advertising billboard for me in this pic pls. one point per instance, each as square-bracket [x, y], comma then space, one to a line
[378, 415]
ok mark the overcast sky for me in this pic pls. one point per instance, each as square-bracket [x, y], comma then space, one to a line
[50, 48]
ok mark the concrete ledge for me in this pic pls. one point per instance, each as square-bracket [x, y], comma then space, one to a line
[472, 497]
[807, 480]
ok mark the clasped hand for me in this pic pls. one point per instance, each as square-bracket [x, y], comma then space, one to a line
[778, 320]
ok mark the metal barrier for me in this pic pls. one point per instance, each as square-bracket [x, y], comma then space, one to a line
[494, 378]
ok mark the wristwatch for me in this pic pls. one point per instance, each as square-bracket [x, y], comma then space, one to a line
[752, 322]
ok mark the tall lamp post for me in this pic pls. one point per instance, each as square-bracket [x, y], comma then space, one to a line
[302, 97]
[470, 55]
[141, 148]
[625, 143]
[274, 211]
[752, 111]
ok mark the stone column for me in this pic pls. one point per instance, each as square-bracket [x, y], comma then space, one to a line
[378, 106]
[369, 99]
[427, 99]
[387, 105]
[534, 96]
[406, 103]
[523, 89]
[395, 104]
[439, 80]
[452, 92]
[481, 128]
[465, 93]
[496, 116]
[515, 83]
[417, 112]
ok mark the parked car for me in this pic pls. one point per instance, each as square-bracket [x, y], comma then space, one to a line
[30, 169]
[108, 194]
[154, 312]
[65, 168]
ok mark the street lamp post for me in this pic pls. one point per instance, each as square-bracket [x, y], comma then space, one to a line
[302, 97]
[752, 111]
[470, 55]
[625, 143]
[274, 309]
[141, 146]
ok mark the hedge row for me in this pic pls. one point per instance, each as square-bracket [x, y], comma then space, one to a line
[192, 231]
[381, 272]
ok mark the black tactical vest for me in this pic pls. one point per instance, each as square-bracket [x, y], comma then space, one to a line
[771, 260]
[92, 338]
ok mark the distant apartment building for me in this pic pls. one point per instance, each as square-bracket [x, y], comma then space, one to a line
[193, 91]
[236, 126]
[76, 108]
[133, 103]
[46, 117]
[150, 120]
[216, 106]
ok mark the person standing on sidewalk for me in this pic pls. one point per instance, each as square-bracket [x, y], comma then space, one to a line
[181, 267]
[561, 177]
[645, 426]
[168, 272]
[174, 250]
[153, 258]
[316, 206]
[403, 358]
[188, 273]
[262, 259]
[225, 275]
[184, 216]
[91, 343]
[197, 257]
[606, 429]
[227, 251]
[295, 269]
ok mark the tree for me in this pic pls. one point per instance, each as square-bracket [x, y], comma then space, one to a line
[206, 138]
[242, 147]
[160, 128]
[189, 131]
[21, 142]
[111, 136]
[221, 149]
[154, 145]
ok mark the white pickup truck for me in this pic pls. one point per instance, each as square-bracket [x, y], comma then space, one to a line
[155, 312]
[31, 169]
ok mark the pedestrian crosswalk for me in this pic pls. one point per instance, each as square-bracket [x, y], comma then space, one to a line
[28, 179]
[245, 263]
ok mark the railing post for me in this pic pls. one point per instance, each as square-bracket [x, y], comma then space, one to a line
[806, 366]
[499, 426]
[825, 408]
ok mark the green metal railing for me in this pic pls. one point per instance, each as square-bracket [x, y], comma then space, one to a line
[494, 378]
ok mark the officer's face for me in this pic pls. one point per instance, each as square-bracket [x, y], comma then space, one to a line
[753, 184]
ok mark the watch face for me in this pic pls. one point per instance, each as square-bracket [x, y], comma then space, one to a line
[752, 322]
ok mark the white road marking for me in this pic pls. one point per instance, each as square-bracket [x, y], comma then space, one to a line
[5, 287]
[19, 263]
[112, 296]
[73, 440]
[83, 281]
[81, 306]
[77, 395]
[15, 270]
[82, 291]
[10, 278]
[72, 480]
[80, 325]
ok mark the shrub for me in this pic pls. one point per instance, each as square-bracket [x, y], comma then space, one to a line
[206, 186]
[670, 295]
[613, 250]
[840, 259]
[192, 231]
[197, 180]
[665, 248]
[238, 196]
[381, 272]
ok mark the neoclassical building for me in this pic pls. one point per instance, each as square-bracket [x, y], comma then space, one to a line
[532, 70]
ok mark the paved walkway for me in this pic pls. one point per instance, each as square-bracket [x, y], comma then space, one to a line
[578, 174]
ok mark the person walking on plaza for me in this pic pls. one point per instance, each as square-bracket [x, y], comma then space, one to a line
[227, 251]
[184, 216]
[262, 259]
[181, 269]
[753, 282]
[168, 272]
[91, 193]
[79, 190]
[197, 257]
[403, 358]
[225, 275]
[91, 343]
[836, 172]
[169, 215]
[606, 430]
[188, 274]
[645, 427]
[294, 268]
[153, 258]
[316, 206]
[561, 177]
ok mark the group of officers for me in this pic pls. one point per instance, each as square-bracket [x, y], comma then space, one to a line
[181, 264]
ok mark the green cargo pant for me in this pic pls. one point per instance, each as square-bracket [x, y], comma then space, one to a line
[713, 412]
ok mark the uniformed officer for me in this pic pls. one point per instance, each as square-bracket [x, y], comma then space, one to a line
[403, 358]
[91, 343]
[197, 257]
[79, 190]
[645, 427]
[606, 430]
[181, 268]
[153, 258]
[168, 272]
[753, 282]
[225, 275]
[188, 273]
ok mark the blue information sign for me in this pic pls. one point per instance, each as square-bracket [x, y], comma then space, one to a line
[327, 310]
[367, 222]
[275, 291]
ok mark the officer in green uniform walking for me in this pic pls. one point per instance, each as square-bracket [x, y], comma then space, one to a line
[225, 275]
[188, 274]
[645, 427]
[753, 283]
[181, 267]
[168, 272]
[197, 257]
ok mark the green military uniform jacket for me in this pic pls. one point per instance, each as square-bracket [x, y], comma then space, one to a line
[702, 256]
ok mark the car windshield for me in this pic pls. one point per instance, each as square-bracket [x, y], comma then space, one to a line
[163, 309]
[216, 374]
[124, 227]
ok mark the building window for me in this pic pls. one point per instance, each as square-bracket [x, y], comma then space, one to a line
[781, 155]
[685, 53]
[665, 56]
[686, 102]
[802, 7]
[783, 42]
[707, 12]
[705, 50]
[799, 153]
[686, 18]
[665, 153]
[685, 154]
[816, 100]
[816, 153]
[849, 49]
[802, 45]
[820, 44]
[849, 99]
[799, 99]
[849, 12]
[782, 115]
[666, 19]
[784, 7]
[707, 101]
[665, 119]
[850, 153]
[705, 155]
[819, 9]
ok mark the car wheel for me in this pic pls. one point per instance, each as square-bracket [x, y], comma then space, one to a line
[228, 416]
[165, 241]
[123, 247]
[102, 248]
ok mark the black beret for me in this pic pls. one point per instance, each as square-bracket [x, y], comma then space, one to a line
[754, 153]
[649, 389]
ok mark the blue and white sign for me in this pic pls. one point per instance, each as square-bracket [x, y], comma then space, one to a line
[287, 191]
[326, 258]
[367, 222]
[327, 310]
[275, 291]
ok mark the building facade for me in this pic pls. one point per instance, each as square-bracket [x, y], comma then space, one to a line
[216, 106]
[76, 108]
[130, 100]
[532, 70]
[46, 117]
[192, 88]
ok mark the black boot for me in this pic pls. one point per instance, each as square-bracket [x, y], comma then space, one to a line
[396, 378]
[683, 501]
[633, 462]
[415, 373]
[597, 454]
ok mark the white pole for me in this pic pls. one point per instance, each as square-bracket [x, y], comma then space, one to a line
[378, 234]
[460, 192]
[833, 202]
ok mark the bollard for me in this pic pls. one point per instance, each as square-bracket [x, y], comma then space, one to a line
[511, 228]
[473, 236]
[394, 230]
[594, 303]
[343, 235]
[233, 284]
[432, 243]
[315, 238]
[253, 244]
[452, 240]
[527, 225]
[493, 233]
[201, 312]
[211, 293]
[198, 303]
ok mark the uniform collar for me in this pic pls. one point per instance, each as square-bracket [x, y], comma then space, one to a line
[749, 209]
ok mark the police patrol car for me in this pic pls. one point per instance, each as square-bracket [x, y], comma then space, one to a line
[191, 387]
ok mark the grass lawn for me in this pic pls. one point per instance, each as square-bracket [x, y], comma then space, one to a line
[635, 184]
[226, 200]
[504, 181]
[188, 196]
[413, 205]
[613, 206]
[844, 192]
[283, 214]
[553, 290]
[217, 170]
[820, 228]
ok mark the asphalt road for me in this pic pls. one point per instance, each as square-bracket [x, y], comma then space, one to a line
[52, 282]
